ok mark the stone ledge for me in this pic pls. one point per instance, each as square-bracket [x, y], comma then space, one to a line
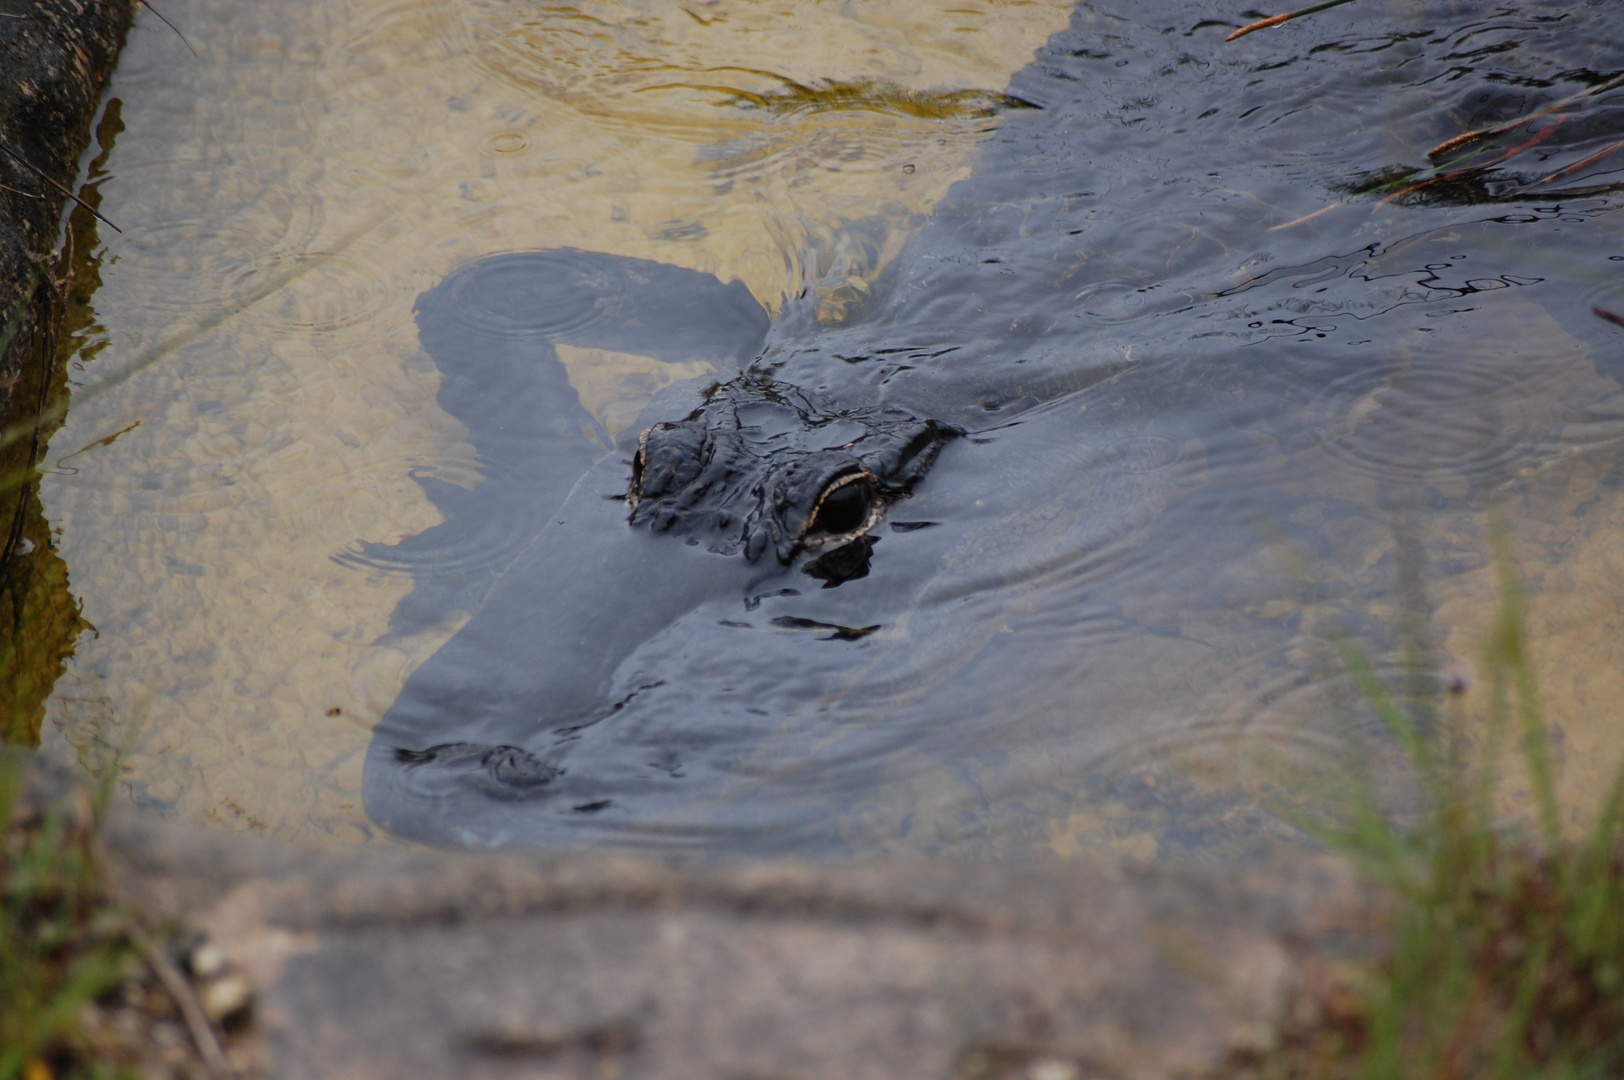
[419, 963]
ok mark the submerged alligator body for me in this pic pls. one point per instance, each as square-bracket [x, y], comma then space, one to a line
[1086, 372]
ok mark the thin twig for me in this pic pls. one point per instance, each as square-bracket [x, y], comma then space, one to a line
[1285, 16]
[171, 26]
[1500, 129]
[3, 15]
[1607, 316]
[44, 176]
[208, 1045]
[18, 191]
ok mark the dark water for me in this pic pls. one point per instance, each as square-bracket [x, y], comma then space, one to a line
[1235, 365]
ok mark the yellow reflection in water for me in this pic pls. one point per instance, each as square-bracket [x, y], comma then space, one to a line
[358, 151]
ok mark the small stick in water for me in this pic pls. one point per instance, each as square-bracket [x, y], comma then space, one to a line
[19, 159]
[1285, 16]
[1607, 316]
[1577, 165]
[1326, 209]
[171, 26]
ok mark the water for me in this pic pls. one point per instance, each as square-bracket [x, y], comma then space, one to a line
[1218, 403]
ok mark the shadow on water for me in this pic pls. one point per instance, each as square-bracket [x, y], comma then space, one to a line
[491, 330]
[1200, 312]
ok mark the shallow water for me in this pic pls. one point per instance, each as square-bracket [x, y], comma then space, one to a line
[1217, 403]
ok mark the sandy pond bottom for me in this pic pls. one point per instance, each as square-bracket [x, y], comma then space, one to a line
[342, 158]
[285, 196]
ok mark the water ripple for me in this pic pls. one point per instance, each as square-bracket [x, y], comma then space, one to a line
[1431, 414]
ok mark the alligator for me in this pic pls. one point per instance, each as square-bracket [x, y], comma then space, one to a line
[1036, 385]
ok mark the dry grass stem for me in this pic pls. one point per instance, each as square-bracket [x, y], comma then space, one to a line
[1577, 165]
[208, 1044]
[25, 163]
[172, 26]
[1285, 16]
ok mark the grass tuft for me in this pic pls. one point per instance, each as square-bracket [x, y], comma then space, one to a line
[86, 992]
[1507, 957]
[63, 943]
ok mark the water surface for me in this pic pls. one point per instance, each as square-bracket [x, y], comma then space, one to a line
[1219, 401]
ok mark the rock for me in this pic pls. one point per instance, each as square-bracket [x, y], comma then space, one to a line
[426, 964]
[206, 961]
[225, 998]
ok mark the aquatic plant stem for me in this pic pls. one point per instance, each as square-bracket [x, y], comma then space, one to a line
[1469, 137]
[1285, 16]
[1581, 163]
[1511, 650]
[1444, 173]
[1596, 889]
[1393, 719]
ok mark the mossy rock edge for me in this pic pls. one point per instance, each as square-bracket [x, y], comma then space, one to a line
[55, 60]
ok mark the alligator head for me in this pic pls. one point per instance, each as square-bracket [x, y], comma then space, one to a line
[764, 469]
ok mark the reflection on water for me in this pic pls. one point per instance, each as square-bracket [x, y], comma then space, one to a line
[39, 617]
[1218, 402]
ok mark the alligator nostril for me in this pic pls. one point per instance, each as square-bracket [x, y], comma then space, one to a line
[756, 545]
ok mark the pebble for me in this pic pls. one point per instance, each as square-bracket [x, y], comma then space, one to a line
[225, 996]
[1052, 1069]
[206, 961]
[164, 1033]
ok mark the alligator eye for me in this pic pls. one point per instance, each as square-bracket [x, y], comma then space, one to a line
[844, 507]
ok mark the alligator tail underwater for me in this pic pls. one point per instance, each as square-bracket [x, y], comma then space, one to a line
[1072, 268]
